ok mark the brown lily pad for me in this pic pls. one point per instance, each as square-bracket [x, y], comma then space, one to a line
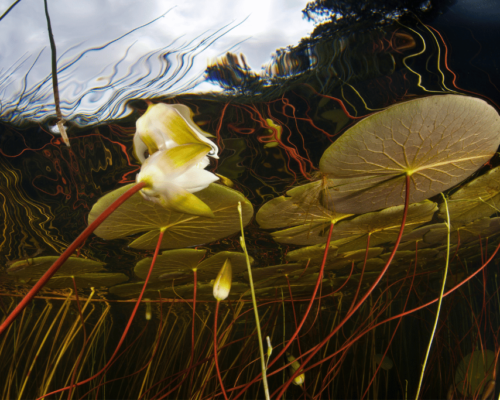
[438, 140]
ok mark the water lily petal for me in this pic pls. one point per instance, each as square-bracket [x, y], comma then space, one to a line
[187, 114]
[140, 148]
[164, 126]
[167, 165]
[195, 179]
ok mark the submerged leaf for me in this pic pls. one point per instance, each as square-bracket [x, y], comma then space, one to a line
[137, 215]
[438, 140]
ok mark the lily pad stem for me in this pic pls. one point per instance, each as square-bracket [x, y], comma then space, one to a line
[127, 328]
[361, 301]
[69, 251]
[294, 335]
[215, 351]
[440, 298]
[254, 301]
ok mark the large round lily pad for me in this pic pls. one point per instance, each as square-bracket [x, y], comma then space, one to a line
[138, 215]
[438, 140]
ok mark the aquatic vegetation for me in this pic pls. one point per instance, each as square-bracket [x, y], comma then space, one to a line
[438, 141]
[324, 271]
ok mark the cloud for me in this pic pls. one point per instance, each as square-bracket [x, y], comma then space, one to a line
[185, 39]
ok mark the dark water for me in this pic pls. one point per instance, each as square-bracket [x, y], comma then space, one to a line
[374, 57]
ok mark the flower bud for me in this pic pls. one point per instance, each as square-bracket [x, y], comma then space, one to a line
[222, 284]
[294, 366]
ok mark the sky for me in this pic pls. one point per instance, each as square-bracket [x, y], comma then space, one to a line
[167, 54]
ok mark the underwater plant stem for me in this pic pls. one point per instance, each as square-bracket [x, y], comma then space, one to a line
[256, 312]
[195, 278]
[64, 256]
[55, 84]
[216, 358]
[440, 297]
[131, 319]
[311, 302]
[73, 375]
[361, 301]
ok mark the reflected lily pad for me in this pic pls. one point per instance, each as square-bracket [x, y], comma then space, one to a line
[438, 140]
[137, 215]
[478, 198]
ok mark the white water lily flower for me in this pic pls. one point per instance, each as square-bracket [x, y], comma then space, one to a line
[177, 150]
[164, 126]
[171, 176]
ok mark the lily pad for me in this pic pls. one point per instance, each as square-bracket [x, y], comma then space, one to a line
[276, 275]
[133, 289]
[383, 226]
[315, 255]
[478, 198]
[374, 264]
[34, 268]
[138, 215]
[407, 256]
[170, 262]
[301, 206]
[106, 279]
[438, 140]
[467, 233]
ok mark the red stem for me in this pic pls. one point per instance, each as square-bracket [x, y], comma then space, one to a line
[356, 307]
[215, 351]
[131, 319]
[64, 256]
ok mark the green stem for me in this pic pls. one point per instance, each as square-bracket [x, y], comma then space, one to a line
[256, 312]
[440, 297]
